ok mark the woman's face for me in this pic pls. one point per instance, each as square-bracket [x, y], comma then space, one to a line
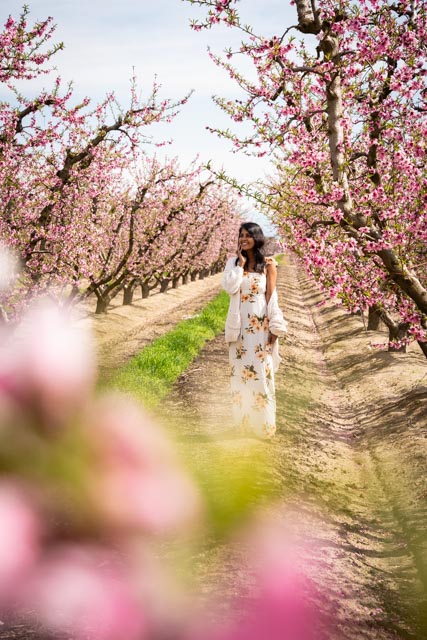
[245, 240]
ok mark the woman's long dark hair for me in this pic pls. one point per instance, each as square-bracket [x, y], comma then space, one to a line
[257, 234]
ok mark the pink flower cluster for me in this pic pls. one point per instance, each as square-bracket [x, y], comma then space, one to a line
[20, 55]
[85, 482]
[88, 212]
[342, 106]
[89, 486]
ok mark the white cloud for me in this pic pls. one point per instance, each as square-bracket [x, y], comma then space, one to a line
[105, 39]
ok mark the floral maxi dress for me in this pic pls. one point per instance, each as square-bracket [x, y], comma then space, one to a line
[252, 375]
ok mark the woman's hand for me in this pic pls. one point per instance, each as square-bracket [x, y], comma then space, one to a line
[242, 259]
[271, 339]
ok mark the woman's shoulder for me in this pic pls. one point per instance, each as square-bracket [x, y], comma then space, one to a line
[270, 262]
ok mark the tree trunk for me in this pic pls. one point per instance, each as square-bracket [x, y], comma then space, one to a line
[164, 284]
[193, 276]
[405, 279]
[72, 295]
[175, 283]
[374, 319]
[335, 109]
[102, 303]
[423, 347]
[145, 289]
[307, 20]
[398, 332]
[128, 293]
[185, 278]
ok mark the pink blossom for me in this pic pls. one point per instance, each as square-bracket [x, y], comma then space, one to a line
[49, 364]
[137, 479]
[19, 539]
[284, 601]
[83, 592]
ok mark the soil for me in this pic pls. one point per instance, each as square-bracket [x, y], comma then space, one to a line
[347, 467]
[345, 473]
[124, 330]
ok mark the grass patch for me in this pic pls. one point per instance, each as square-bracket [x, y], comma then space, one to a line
[150, 375]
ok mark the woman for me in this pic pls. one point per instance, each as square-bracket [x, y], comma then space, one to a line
[253, 323]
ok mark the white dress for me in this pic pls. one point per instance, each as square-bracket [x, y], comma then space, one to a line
[252, 374]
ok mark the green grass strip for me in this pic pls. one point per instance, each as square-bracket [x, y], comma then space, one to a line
[150, 375]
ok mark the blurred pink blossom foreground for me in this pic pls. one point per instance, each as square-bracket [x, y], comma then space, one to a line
[86, 483]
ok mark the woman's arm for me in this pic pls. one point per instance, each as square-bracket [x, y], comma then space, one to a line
[271, 267]
[271, 277]
[232, 277]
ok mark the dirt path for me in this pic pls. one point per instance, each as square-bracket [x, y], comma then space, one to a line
[351, 444]
[125, 330]
[348, 464]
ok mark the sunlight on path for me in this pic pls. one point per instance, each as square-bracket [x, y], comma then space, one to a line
[322, 469]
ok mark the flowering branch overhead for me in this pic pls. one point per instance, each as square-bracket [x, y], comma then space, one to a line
[340, 110]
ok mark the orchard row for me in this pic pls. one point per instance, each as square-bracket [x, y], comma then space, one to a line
[338, 101]
[87, 211]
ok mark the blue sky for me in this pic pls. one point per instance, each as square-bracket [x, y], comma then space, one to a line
[105, 39]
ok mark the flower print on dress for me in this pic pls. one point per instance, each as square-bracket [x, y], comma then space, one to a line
[236, 398]
[260, 352]
[268, 372]
[268, 429]
[254, 290]
[240, 351]
[255, 323]
[249, 373]
[260, 401]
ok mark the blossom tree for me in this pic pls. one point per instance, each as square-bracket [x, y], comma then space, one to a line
[202, 225]
[339, 101]
[86, 209]
[163, 218]
[166, 223]
[62, 163]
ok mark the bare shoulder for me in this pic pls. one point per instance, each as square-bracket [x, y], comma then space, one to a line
[270, 263]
